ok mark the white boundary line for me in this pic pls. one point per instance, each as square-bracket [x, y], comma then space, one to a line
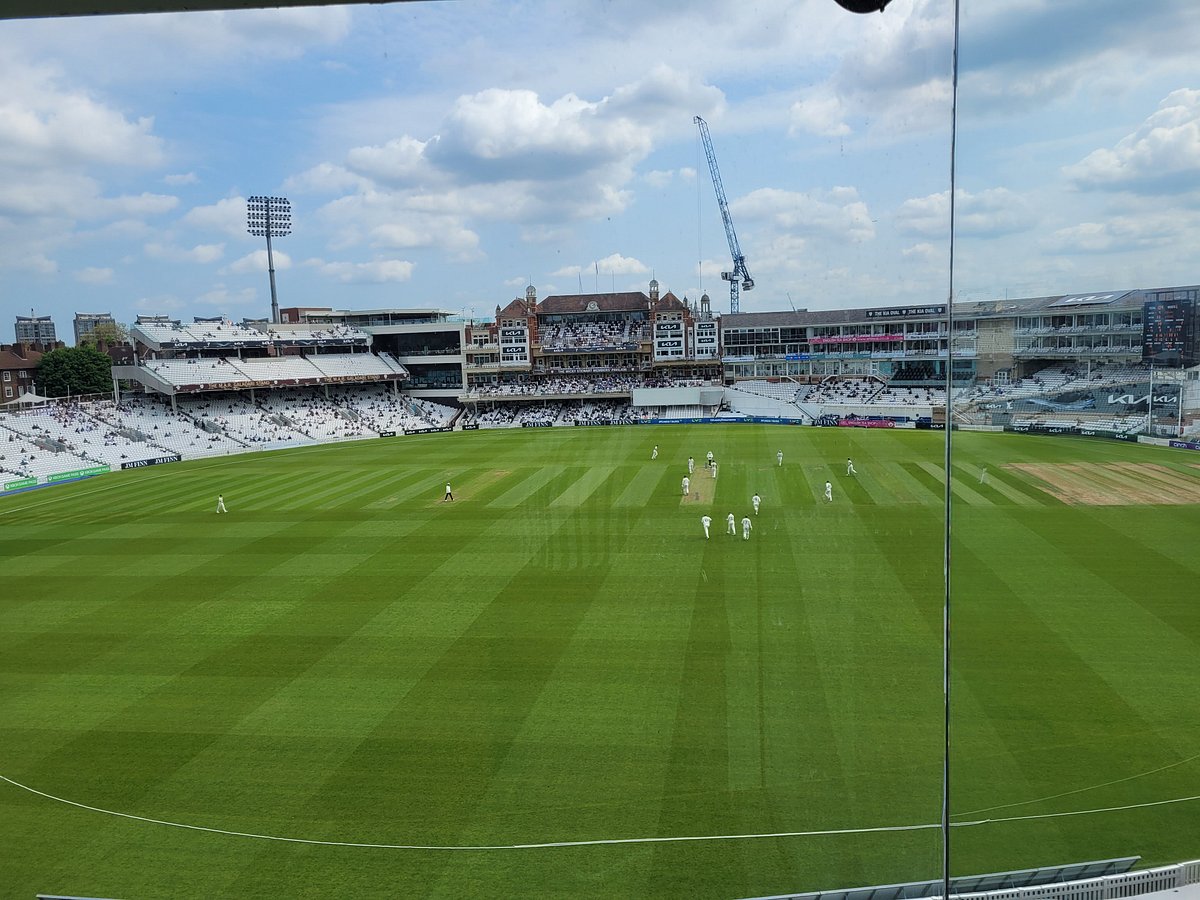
[1093, 787]
[547, 845]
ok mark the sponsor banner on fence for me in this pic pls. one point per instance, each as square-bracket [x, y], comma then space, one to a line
[426, 430]
[78, 473]
[387, 434]
[1184, 445]
[157, 461]
[866, 423]
[1035, 428]
[471, 426]
[20, 483]
[536, 424]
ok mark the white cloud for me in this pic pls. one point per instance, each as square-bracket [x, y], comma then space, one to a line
[926, 252]
[1123, 233]
[45, 124]
[820, 114]
[662, 177]
[838, 214]
[220, 42]
[257, 262]
[36, 262]
[181, 179]
[226, 216]
[613, 264]
[1162, 155]
[616, 264]
[94, 275]
[201, 253]
[141, 205]
[544, 234]
[506, 154]
[990, 213]
[379, 271]
[159, 305]
[393, 221]
[400, 162]
[326, 178]
[221, 297]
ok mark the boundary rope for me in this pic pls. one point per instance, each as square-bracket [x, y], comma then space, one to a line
[596, 842]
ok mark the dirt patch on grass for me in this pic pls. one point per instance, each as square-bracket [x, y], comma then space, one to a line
[1113, 484]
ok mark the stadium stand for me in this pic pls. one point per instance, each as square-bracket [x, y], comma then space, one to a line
[70, 428]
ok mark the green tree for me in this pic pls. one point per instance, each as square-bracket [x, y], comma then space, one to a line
[107, 334]
[74, 370]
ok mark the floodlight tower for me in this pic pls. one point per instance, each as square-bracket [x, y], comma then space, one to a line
[269, 217]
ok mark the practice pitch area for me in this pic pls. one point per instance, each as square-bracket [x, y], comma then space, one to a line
[558, 655]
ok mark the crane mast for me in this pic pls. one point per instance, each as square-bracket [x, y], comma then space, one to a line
[739, 279]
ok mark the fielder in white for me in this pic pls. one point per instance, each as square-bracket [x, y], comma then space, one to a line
[747, 526]
[691, 464]
[829, 491]
[983, 475]
[687, 485]
[220, 503]
[714, 471]
[850, 466]
[756, 500]
[654, 452]
[706, 521]
[730, 527]
[779, 457]
[710, 459]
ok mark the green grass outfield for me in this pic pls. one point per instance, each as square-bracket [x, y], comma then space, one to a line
[559, 655]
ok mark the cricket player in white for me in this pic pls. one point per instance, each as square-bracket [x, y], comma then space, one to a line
[756, 500]
[654, 452]
[710, 459]
[829, 491]
[449, 495]
[220, 503]
[731, 528]
[850, 466]
[706, 521]
[747, 525]
[779, 457]
[983, 475]
[714, 471]
[691, 464]
[687, 485]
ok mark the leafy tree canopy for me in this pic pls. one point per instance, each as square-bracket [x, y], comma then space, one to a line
[110, 334]
[74, 370]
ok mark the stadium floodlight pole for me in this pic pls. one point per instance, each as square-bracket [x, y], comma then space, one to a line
[269, 217]
[947, 495]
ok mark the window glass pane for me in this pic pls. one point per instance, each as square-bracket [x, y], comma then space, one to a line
[1074, 630]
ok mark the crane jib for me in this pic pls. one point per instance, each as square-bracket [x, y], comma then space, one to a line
[739, 279]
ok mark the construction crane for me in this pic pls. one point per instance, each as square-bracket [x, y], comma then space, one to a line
[739, 279]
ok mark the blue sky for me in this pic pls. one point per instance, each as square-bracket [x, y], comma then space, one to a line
[446, 154]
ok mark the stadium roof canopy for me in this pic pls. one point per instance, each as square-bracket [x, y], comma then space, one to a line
[1058, 304]
[41, 9]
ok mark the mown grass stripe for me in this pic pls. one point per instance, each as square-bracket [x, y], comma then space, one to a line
[531, 481]
[587, 481]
